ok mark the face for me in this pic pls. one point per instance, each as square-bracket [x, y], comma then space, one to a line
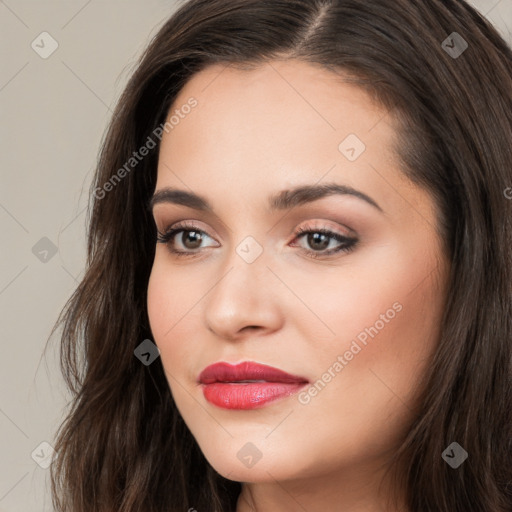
[342, 288]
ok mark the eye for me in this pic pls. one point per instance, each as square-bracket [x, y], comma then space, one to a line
[319, 239]
[190, 239]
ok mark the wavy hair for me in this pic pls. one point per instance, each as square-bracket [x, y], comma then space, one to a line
[123, 446]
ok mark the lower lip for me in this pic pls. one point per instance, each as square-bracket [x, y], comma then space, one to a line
[231, 395]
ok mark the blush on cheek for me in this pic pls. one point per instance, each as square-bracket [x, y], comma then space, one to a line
[164, 302]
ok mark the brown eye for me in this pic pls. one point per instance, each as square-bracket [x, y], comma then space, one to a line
[191, 239]
[318, 241]
[184, 239]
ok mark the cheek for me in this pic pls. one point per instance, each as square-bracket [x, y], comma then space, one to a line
[382, 316]
[165, 302]
[172, 302]
[160, 303]
[172, 292]
[385, 288]
[368, 396]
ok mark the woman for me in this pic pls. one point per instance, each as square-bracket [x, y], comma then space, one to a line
[298, 289]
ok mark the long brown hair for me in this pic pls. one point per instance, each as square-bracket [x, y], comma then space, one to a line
[123, 446]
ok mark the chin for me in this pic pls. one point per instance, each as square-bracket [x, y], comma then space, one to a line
[244, 462]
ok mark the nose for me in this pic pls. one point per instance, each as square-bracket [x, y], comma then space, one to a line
[244, 301]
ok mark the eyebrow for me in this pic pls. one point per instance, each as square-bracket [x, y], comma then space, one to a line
[283, 200]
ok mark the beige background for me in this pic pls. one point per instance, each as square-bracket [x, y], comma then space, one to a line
[53, 114]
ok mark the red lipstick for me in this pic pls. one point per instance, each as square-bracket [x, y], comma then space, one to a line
[247, 385]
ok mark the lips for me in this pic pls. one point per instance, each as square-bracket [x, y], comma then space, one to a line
[247, 385]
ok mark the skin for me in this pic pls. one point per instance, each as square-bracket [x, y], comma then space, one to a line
[254, 133]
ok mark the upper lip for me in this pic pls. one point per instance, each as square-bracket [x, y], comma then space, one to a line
[247, 370]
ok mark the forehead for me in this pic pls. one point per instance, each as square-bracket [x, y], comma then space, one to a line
[283, 97]
[277, 125]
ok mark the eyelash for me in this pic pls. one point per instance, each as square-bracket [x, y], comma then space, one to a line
[348, 243]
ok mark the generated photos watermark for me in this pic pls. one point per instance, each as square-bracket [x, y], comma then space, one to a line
[366, 335]
[144, 150]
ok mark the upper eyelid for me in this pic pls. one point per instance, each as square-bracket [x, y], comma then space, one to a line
[189, 226]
